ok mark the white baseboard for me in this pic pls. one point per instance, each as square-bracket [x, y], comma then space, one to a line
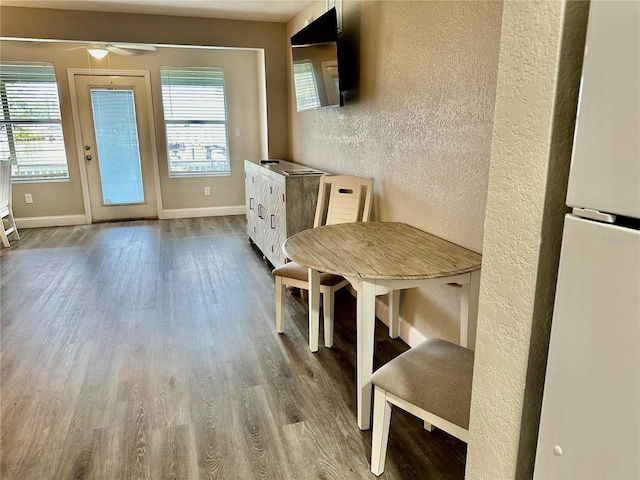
[53, 221]
[204, 212]
[408, 333]
[67, 220]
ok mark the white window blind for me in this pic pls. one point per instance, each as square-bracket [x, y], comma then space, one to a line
[305, 86]
[195, 116]
[31, 126]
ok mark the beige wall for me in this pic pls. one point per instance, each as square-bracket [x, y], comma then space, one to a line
[540, 64]
[243, 77]
[242, 88]
[419, 124]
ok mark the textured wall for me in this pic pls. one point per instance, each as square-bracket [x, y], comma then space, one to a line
[540, 61]
[419, 123]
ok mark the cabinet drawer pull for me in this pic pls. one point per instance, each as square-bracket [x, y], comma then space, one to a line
[251, 203]
[271, 220]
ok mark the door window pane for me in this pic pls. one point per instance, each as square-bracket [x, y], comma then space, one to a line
[114, 119]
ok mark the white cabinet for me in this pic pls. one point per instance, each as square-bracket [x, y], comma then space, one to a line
[281, 201]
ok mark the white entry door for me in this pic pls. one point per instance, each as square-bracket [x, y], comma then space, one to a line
[117, 148]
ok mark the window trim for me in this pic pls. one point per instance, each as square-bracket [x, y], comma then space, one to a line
[167, 122]
[9, 123]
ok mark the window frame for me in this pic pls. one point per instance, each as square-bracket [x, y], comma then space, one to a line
[10, 123]
[164, 86]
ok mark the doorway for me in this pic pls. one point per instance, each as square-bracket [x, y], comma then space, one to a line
[117, 145]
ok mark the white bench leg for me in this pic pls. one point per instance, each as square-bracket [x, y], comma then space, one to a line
[380, 434]
[279, 304]
[328, 307]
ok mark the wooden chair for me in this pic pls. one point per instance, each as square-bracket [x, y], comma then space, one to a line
[433, 382]
[6, 212]
[341, 199]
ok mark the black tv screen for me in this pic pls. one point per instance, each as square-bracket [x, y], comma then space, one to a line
[315, 64]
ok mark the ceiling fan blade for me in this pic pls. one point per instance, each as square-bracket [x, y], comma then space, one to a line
[119, 51]
[135, 46]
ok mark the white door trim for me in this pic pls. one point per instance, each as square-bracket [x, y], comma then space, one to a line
[71, 76]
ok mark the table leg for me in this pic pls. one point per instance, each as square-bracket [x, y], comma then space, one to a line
[366, 322]
[394, 313]
[314, 309]
[469, 311]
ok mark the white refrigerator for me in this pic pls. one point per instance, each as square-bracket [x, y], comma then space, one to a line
[590, 423]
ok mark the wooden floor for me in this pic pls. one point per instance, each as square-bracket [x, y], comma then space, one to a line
[147, 349]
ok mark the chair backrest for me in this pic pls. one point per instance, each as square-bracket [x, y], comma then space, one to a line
[343, 199]
[5, 186]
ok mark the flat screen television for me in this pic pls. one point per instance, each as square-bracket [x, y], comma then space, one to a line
[316, 76]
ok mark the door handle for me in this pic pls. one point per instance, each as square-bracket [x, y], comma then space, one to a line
[88, 158]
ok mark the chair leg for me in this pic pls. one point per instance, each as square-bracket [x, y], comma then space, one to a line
[328, 307]
[394, 313]
[15, 228]
[279, 303]
[3, 234]
[314, 309]
[380, 433]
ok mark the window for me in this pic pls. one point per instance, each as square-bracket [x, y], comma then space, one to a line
[305, 85]
[31, 126]
[195, 117]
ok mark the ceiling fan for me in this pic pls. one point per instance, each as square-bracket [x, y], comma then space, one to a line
[101, 50]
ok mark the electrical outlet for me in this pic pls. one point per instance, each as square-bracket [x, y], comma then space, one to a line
[28, 198]
[207, 191]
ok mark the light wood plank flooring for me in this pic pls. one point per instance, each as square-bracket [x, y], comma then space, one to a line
[147, 350]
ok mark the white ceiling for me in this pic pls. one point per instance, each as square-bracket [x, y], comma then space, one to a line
[258, 10]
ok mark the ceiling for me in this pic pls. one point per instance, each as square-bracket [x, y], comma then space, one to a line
[257, 10]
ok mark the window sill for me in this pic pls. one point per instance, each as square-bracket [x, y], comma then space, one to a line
[199, 175]
[19, 181]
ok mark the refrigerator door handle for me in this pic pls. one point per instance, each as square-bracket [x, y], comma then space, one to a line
[594, 215]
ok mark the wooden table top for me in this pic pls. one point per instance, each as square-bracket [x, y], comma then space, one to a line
[379, 250]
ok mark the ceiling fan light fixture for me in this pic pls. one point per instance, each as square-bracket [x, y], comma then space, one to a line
[98, 52]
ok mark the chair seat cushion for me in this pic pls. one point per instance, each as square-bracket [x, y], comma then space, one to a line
[435, 376]
[298, 272]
